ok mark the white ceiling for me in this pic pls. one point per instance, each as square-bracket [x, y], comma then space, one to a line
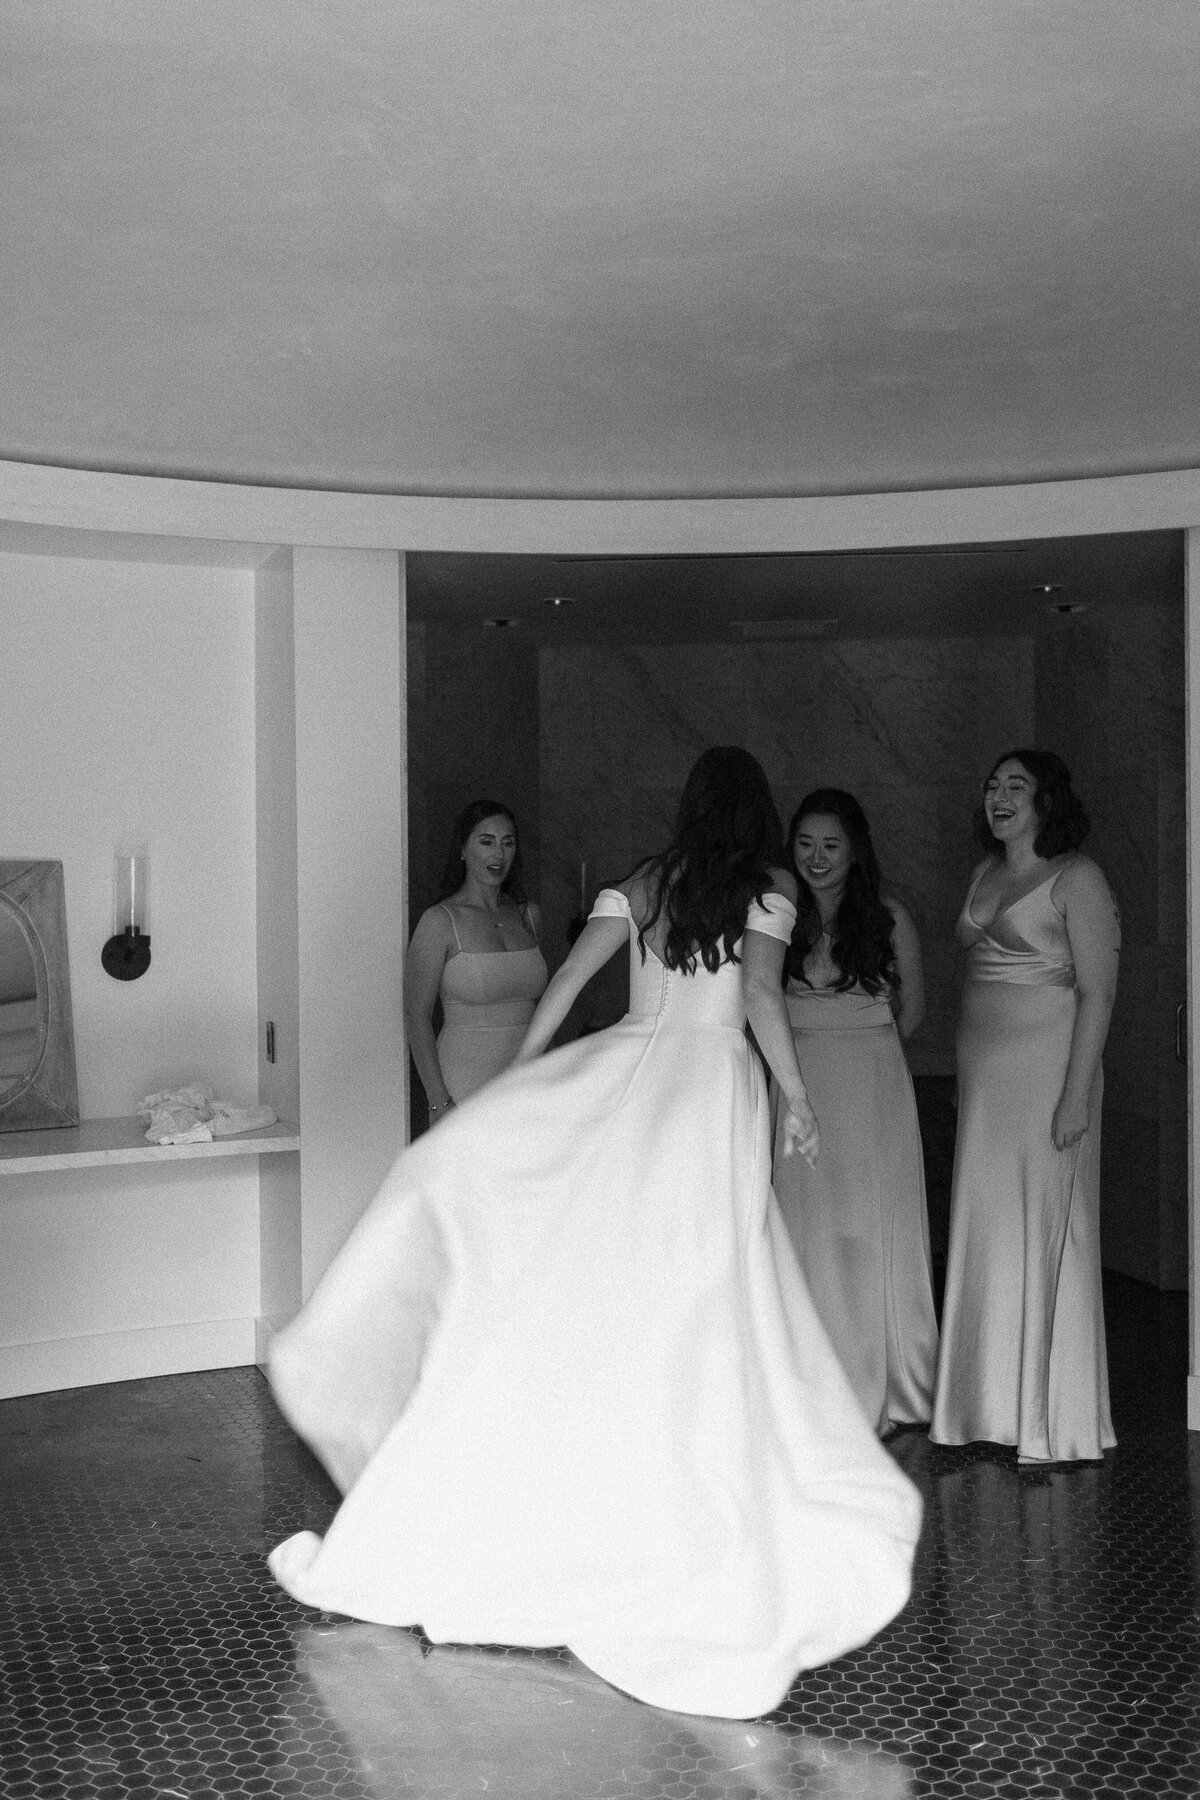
[671, 247]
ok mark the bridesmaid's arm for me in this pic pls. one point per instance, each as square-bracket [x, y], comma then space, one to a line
[1093, 924]
[762, 991]
[597, 942]
[423, 967]
[910, 1001]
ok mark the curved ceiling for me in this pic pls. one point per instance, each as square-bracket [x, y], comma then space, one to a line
[433, 246]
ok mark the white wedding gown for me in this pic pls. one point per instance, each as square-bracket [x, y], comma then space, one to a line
[569, 1377]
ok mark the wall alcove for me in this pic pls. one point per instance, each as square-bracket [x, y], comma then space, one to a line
[900, 675]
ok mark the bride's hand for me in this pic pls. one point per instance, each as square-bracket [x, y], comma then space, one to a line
[800, 1130]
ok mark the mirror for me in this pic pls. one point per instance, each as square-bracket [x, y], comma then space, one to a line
[37, 1042]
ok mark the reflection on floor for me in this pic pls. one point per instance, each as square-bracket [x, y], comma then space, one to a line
[1050, 1647]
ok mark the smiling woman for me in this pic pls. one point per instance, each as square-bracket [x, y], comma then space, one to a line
[1023, 1355]
[857, 1217]
[476, 951]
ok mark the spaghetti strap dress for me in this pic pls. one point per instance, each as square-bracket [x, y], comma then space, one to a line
[487, 1000]
[1023, 1357]
[569, 1378]
[858, 1218]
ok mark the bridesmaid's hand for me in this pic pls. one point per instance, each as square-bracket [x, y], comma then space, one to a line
[800, 1130]
[1069, 1123]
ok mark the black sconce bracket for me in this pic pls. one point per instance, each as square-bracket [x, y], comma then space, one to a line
[127, 955]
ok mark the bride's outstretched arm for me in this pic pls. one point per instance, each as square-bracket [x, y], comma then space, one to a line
[762, 988]
[599, 939]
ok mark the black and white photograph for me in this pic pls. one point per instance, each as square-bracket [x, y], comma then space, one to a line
[599, 900]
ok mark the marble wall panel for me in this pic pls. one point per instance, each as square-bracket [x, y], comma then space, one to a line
[1173, 1180]
[1132, 1053]
[1129, 1194]
[676, 701]
[782, 720]
[923, 710]
[472, 732]
[1172, 855]
[1123, 807]
[923, 838]
[931, 1048]
[1144, 711]
[1073, 667]
[908, 725]
[1110, 700]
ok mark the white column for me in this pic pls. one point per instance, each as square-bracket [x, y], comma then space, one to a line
[1192, 642]
[279, 1207]
[351, 880]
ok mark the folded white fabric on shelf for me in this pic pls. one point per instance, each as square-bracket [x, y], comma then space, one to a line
[193, 1115]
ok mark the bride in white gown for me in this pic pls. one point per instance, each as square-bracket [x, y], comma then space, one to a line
[566, 1371]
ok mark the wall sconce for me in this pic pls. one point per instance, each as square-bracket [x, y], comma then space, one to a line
[127, 952]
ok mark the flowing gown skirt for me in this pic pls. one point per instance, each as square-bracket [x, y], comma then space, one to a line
[858, 1218]
[569, 1377]
[1023, 1357]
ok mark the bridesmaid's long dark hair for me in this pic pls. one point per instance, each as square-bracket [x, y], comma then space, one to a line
[861, 940]
[727, 840]
[468, 819]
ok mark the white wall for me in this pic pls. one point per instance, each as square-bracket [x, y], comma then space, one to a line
[351, 756]
[279, 1195]
[128, 718]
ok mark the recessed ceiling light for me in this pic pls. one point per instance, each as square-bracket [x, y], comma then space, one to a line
[1047, 587]
[500, 624]
[559, 600]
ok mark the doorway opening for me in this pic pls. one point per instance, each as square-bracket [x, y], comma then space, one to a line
[580, 689]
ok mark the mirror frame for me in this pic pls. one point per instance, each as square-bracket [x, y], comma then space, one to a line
[49, 1094]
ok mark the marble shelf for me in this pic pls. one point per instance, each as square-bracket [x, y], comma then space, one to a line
[100, 1143]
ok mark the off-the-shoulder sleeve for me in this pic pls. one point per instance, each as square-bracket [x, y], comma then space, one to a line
[774, 918]
[610, 903]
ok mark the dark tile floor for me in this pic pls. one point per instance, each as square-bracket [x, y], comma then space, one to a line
[1050, 1647]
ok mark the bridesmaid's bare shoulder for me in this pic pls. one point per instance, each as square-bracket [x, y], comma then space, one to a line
[1080, 880]
[435, 928]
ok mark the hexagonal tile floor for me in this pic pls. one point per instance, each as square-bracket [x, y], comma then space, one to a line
[1050, 1647]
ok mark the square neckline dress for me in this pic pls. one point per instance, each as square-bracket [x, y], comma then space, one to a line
[488, 998]
[569, 1377]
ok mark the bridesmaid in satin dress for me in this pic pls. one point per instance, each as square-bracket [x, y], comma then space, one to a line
[477, 952]
[857, 1217]
[1023, 1357]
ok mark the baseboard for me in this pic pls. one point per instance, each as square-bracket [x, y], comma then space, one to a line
[265, 1329]
[125, 1356]
[1194, 1402]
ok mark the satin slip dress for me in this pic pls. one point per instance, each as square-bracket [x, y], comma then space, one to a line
[858, 1217]
[1023, 1357]
[487, 997]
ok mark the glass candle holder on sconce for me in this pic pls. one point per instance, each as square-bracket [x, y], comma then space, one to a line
[126, 955]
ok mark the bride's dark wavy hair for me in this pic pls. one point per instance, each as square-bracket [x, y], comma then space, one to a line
[861, 941]
[727, 840]
[468, 819]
